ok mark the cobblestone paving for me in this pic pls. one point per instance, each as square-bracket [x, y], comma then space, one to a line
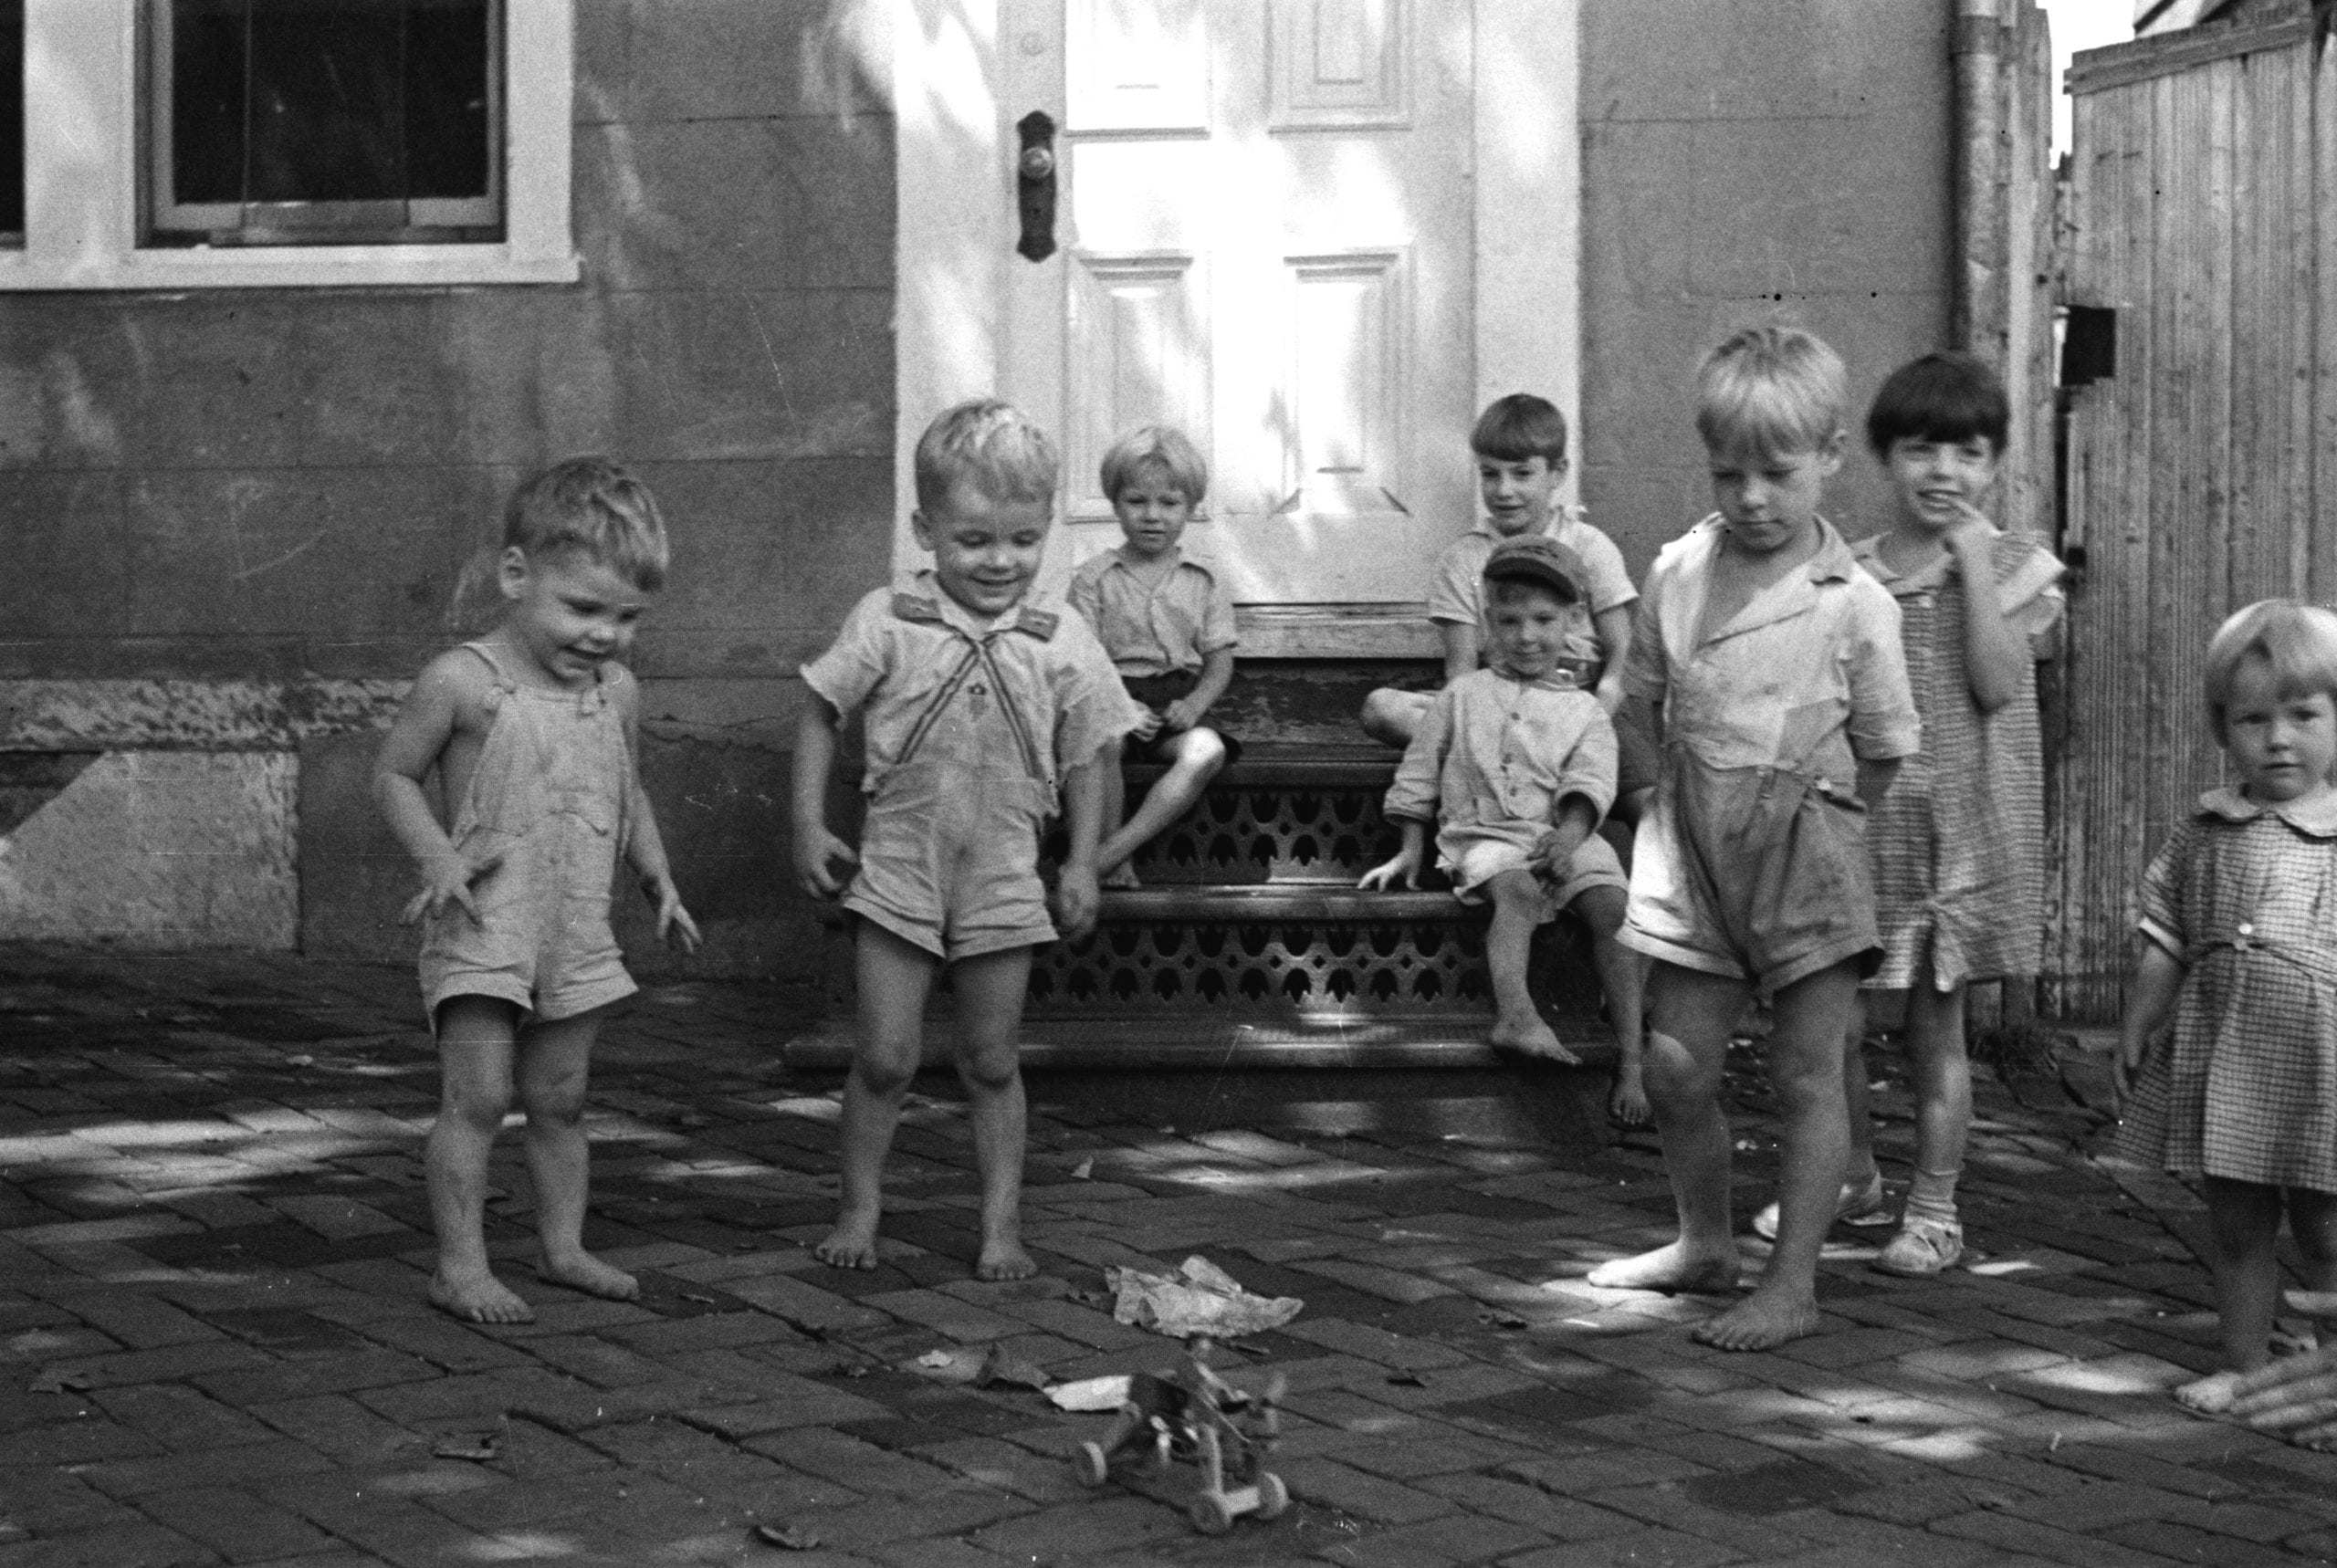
[213, 1249]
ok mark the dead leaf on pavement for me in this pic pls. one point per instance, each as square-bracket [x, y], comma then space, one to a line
[480, 1445]
[788, 1536]
[55, 1382]
[1000, 1367]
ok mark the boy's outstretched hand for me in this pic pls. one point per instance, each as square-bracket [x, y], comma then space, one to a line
[674, 926]
[446, 884]
[817, 854]
[1406, 865]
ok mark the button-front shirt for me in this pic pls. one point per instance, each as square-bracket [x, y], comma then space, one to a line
[1153, 622]
[1029, 692]
[1494, 750]
[1808, 676]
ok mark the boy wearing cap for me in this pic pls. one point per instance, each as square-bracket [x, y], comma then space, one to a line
[1515, 764]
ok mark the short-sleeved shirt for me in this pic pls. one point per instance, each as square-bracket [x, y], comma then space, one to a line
[902, 657]
[1496, 750]
[1457, 582]
[1165, 627]
[1808, 676]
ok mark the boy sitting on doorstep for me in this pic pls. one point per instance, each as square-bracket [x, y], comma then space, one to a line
[1520, 441]
[1166, 623]
[1515, 764]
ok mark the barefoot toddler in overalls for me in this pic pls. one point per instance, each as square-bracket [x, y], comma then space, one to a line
[547, 814]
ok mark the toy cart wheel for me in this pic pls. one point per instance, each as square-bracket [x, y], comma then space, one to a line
[1273, 1497]
[1090, 1465]
[1209, 1515]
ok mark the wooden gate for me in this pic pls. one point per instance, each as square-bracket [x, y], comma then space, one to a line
[2200, 369]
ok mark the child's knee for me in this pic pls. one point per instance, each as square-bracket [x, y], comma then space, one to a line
[481, 1105]
[1203, 749]
[559, 1102]
[1601, 909]
[884, 1069]
[990, 1066]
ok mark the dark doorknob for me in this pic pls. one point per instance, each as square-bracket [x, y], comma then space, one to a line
[1035, 179]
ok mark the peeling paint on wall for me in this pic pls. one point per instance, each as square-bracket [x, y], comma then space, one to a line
[187, 715]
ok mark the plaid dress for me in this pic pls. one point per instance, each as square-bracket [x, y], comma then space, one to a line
[1958, 844]
[2245, 1088]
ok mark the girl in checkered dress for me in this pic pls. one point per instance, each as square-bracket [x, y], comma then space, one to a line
[1958, 844]
[2239, 922]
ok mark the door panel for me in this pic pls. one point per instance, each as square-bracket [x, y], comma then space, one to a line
[1265, 230]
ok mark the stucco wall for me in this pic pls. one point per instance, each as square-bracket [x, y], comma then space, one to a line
[283, 490]
[1793, 156]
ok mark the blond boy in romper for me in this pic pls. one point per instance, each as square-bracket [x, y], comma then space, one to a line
[985, 707]
[1767, 666]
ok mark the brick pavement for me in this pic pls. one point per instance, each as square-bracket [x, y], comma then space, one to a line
[215, 1348]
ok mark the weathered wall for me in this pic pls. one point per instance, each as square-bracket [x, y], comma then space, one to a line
[1740, 161]
[282, 490]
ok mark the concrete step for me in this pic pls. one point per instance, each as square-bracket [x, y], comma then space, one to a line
[1217, 1042]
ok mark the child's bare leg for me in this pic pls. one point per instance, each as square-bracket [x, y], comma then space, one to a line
[476, 1045]
[554, 1071]
[2243, 1223]
[990, 992]
[1930, 1238]
[891, 976]
[1805, 1070]
[1194, 758]
[1115, 808]
[1622, 978]
[1389, 717]
[1857, 1099]
[2313, 1220]
[1691, 1016]
[1520, 907]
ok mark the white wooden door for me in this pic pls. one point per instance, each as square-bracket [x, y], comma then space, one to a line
[1265, 230]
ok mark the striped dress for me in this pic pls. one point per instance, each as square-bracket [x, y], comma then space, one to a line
[1958, 844]
[2245, 1085]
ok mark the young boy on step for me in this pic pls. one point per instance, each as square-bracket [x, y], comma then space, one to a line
[984, 709]
[531, 731]
[1767, 667]
[1515, 764]
[1168, 624]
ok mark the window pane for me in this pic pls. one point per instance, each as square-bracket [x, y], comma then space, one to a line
[12, 117]
[329, 100]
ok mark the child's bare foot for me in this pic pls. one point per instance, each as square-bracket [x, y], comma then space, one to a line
[587, 1273]
[851, 1245]
[2210, 1396]
[1762, 1320]
[1627, 1107]
[1002, 1258]
[1670, 1268]
[1531, 1037]
[479, 1298]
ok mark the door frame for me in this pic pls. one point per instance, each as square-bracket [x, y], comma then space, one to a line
[954, 193]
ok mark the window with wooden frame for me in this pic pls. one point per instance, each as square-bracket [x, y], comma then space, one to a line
[324, 121]
[289, 144]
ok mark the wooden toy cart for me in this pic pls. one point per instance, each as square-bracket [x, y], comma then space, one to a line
[1192, 1416]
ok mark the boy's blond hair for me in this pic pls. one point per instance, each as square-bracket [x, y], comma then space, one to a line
[1771, 390]
[992, 444]
[1164, 445]
[590, 505]
[2298, 640]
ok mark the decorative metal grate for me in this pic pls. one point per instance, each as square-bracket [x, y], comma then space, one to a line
[1279, 967]
[1259, 833]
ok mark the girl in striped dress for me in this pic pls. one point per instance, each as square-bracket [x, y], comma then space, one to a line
[2239, 926]
[1958, 844]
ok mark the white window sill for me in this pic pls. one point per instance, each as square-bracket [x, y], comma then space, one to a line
[303, 266]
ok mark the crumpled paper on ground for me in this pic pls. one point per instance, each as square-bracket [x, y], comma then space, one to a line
[1106, 1393]
[1200, 1298]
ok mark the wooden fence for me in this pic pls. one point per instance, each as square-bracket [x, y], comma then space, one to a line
[2201, 255]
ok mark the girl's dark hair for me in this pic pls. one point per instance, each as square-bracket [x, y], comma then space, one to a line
[1946, 396]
